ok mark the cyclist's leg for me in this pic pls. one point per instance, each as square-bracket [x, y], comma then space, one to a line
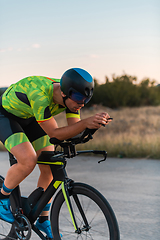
[40, 142]
[15, 140]
[26, 161]
[45, 172]
[45, 178]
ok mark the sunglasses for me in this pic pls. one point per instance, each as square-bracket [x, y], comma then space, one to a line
[78, 98]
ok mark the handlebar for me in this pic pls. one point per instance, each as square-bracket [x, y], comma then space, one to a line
[104, 153]
[69, 144]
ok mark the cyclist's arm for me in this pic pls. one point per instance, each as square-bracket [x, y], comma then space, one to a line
[51, 128]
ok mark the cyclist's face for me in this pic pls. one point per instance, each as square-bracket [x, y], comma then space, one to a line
[73, 106]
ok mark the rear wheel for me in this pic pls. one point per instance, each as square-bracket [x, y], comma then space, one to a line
[99, 222]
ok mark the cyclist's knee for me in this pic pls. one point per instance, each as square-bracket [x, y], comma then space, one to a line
[27, 164]
[30, 163]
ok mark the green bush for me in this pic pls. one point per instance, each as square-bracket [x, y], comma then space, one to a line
[123, 91]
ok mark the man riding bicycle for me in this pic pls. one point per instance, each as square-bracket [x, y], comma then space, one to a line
[27, 110]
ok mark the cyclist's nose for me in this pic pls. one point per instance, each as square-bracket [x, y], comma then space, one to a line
[80, 104]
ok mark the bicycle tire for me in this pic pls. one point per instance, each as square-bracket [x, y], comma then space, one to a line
[97, 209]
[6, 229]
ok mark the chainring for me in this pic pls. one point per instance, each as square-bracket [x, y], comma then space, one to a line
[22, 227]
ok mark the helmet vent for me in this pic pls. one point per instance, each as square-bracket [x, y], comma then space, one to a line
[87, 92]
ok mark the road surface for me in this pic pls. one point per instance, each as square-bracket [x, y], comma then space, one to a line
[132, 187]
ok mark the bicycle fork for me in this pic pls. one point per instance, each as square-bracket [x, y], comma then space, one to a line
[65, 192]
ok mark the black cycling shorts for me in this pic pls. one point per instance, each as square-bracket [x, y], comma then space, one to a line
[15, 130]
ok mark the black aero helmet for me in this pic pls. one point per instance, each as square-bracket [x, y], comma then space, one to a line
[77, 84]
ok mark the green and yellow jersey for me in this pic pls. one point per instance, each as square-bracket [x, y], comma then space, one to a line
[33, 97]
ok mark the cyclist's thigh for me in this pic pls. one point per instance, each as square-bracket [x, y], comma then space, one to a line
[37, 136]
[11, 132]
[15, 130]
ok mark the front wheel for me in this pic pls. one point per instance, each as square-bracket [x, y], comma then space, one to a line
[101, 221]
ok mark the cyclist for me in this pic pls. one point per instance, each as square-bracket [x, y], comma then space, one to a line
[27, 111]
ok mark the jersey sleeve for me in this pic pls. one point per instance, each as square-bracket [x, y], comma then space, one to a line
[70, 114]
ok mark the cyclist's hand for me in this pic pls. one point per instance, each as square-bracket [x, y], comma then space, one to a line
[98, 120]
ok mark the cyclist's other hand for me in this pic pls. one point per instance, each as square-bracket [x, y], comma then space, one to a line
[107, 118]
[97, 120]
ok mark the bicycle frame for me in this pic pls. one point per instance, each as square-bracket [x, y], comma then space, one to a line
[20, 203]
[57, 163]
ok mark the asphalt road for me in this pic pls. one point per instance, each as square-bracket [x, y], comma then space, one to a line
[131, 186]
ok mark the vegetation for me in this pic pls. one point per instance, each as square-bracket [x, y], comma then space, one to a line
[124, 91]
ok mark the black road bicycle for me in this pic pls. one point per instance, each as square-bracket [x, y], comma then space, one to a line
[78, 210]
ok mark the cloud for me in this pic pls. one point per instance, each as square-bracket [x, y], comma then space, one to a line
[36, 45]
